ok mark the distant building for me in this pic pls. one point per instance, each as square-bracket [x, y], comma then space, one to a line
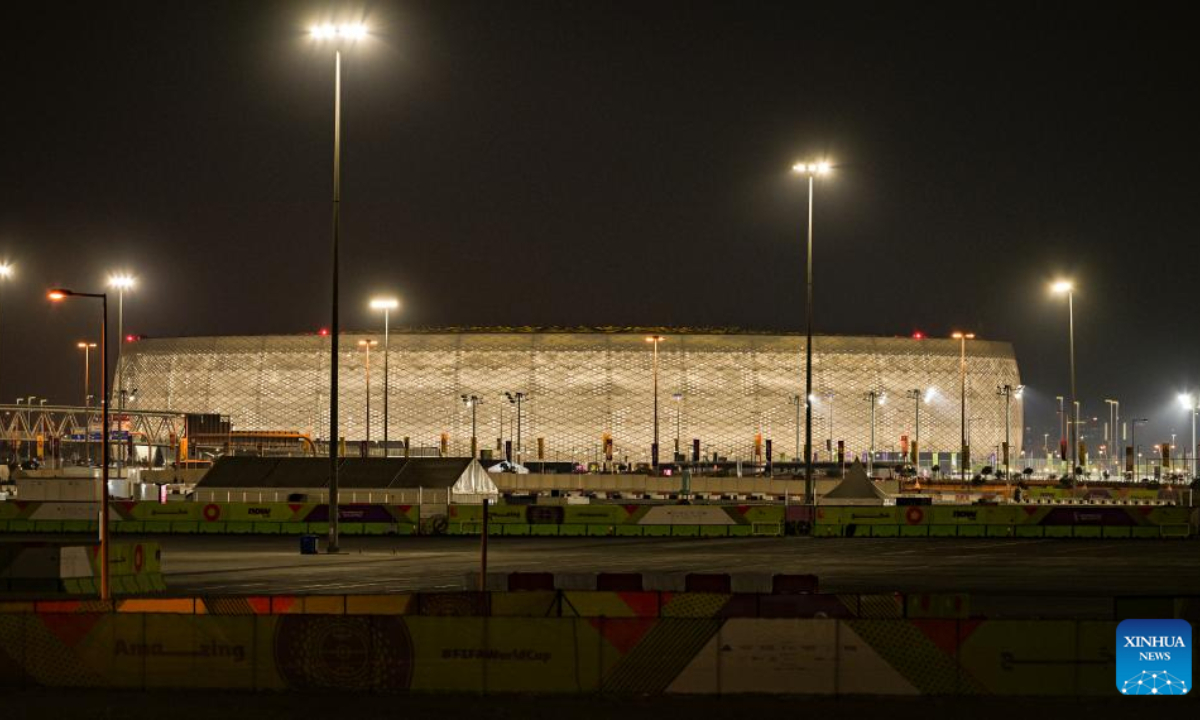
[732, 391]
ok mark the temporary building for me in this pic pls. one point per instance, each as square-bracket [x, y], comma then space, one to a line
[856, 489]
[360, 480]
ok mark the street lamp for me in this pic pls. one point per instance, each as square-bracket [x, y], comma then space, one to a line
[918, 397]
[366, 345]
[678, 398]
[965, 462]
[339, 34]
[654, 340]
[386, 305]
[1114, 416]
[1133, 426]
[58, 295]
[1191, 404]
[810, 170]
[120, 282]
[1008, 392]
[6, 270]
[516, 399]
[1065, 287]
[473, 401]
[876, 397]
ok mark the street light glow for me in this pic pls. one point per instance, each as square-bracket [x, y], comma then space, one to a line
[930, 394]
[121, 282]
[655, 338]
[1187, 401]
[821, 167]
[58, 294]
[961, 336]
[1062, 286]
[352, 31]
[384, 303]
[368, 343]
[5, 269]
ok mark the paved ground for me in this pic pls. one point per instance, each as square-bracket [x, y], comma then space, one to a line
[57, 704]
[1069, 568]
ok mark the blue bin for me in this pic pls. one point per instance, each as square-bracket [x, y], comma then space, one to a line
[308, 544]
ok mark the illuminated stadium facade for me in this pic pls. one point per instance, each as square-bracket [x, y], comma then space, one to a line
[732, 391]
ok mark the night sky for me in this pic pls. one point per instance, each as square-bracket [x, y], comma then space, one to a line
[613, 163]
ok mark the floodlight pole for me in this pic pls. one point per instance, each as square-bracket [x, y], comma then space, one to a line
[334, 327]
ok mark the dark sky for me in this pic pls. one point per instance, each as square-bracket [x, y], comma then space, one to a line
[613, 163]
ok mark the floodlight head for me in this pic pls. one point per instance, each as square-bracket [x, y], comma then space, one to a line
[384, 303]
[1062, 286]
[121, 282]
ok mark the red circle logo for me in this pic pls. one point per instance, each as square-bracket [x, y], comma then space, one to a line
[914, 515]
[212, 512]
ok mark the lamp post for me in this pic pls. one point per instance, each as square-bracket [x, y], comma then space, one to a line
[678, 398]
[472, 401]
[1133, 425]
[366, 345]
[874, 397]
[799, 403]
[6, 270]
[87, 348]
[339, 34]
[916, 396]
[654, 340]
[59, 295]
[810, 170]
[120, 282]
[1061, 287]
[386, 305]
[516, 399]
[1191, 404]
[1007, 392]
[1114, 416]
[965, 460]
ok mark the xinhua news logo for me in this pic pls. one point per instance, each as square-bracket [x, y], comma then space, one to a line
[1154, 657]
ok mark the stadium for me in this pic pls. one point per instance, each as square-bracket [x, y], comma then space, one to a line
[720, 394]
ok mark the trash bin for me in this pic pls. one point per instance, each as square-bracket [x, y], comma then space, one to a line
[308, 544]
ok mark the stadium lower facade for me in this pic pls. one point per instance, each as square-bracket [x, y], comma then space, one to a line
[582, 389]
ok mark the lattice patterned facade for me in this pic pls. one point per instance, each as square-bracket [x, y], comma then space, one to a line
[733, 389]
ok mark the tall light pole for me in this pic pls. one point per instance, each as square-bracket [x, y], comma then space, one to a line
[875, 397]
[339, 34]
[678, 398]
[1062, 287]
[59, 295]
[516, 399]
[1007, 392]
[87, 348]
[472, 402]
[654, 340]
[1133, 426]
[1191, 404]
[916, 396]
[800, 404]
[810, 170]
[6, 270]
[965, 460]
[1114, 416]
[120, 282]
[366, 345]
[386, 305]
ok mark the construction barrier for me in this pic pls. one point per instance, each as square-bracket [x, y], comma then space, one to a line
[1029, 521]
[665, 643]
[611, 520]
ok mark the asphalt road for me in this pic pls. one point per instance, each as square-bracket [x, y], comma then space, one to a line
[1080, 569]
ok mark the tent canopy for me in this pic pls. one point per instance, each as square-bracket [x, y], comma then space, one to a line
[855, 489]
